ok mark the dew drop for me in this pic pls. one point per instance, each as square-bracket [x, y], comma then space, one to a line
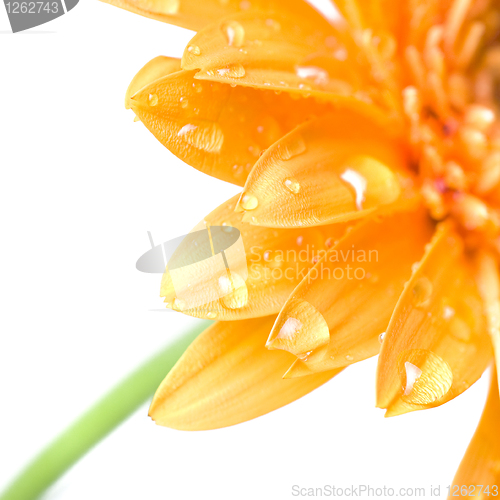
[299, 241]
[381, 337]
[425, 376]
[184, 102]
[289, 329]
[358, 183]
[249, 202]
[234, 289]
[302, 329]
[293, 147]
[317, 75]
[349, 357]
[152, 99]
[178, 305]
[211, 315]
[234, 33]
[208, 137]
[227, 228]
[194, 49]
[198, 87]
[232, 71]
[293, 185]
[422, 291]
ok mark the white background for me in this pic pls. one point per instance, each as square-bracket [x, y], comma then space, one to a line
[80, 186]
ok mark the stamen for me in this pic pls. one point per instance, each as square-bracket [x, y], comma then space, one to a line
[454, 21]
[471, 44]
[416, 65]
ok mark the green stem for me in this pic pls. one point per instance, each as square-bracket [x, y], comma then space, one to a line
[97, 422]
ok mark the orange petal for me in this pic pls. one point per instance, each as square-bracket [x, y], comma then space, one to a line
[479, 473]
[153, 70]
[279, 52]
[436, 345]
[342, 167]
[488, 282]
[194, 15]
[227, 376]
[346, 301]
[215, 128]
[276, 260]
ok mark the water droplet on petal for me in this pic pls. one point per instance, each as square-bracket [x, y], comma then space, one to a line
[249, 202]
[425, 376]
[231, 71]
[349, 357]
[317, 75]
[422, 291]
[330, 242]
[294, 146]
[208, 137]
[234, 33]
[381, 337]
[194, 49]
[152, 99]
[289, 329]
[178, 305]
[293, 185]
[211, 315]
[198, 87]
[184, 102]
[235, 291]
[356, 182]
[226, 227]
[301, 330]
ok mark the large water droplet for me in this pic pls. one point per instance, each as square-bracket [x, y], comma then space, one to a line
[178, 305]
[194, 49]
[293, 185]
[422, 291]
[211, 315]
[425, 376]
[234, 33]
[249, 202]
[317, 75]
[301, 329]
[356, 182]
[294, 146]
[208, 137]
[232, 71]
[235, 291]
[289, 329]
[152, 99]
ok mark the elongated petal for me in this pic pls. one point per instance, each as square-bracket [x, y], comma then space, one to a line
[350, 294]
[436, 345]
[479, 473]
[227, 376]
[215, 128]
[276, 260]
[194, 15]
[342, 165]
[282, 52]
[153, 70]
[488, 282]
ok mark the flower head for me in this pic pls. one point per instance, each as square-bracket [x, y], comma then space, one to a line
[371, 142]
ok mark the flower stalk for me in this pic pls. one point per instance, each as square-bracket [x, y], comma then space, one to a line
[98, 421]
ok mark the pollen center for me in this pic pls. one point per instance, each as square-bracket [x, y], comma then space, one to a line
[450, 101]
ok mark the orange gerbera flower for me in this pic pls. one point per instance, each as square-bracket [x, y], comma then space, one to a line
[368, 146]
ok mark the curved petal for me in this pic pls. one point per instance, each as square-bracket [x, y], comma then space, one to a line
[284, 52]
[217, 129]
[479, 471]
[350, 294]
[342, 166]
[488, 283]
[436, 345]
[227, 376]
[153, 70]
[194, 15]
[276, 260]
